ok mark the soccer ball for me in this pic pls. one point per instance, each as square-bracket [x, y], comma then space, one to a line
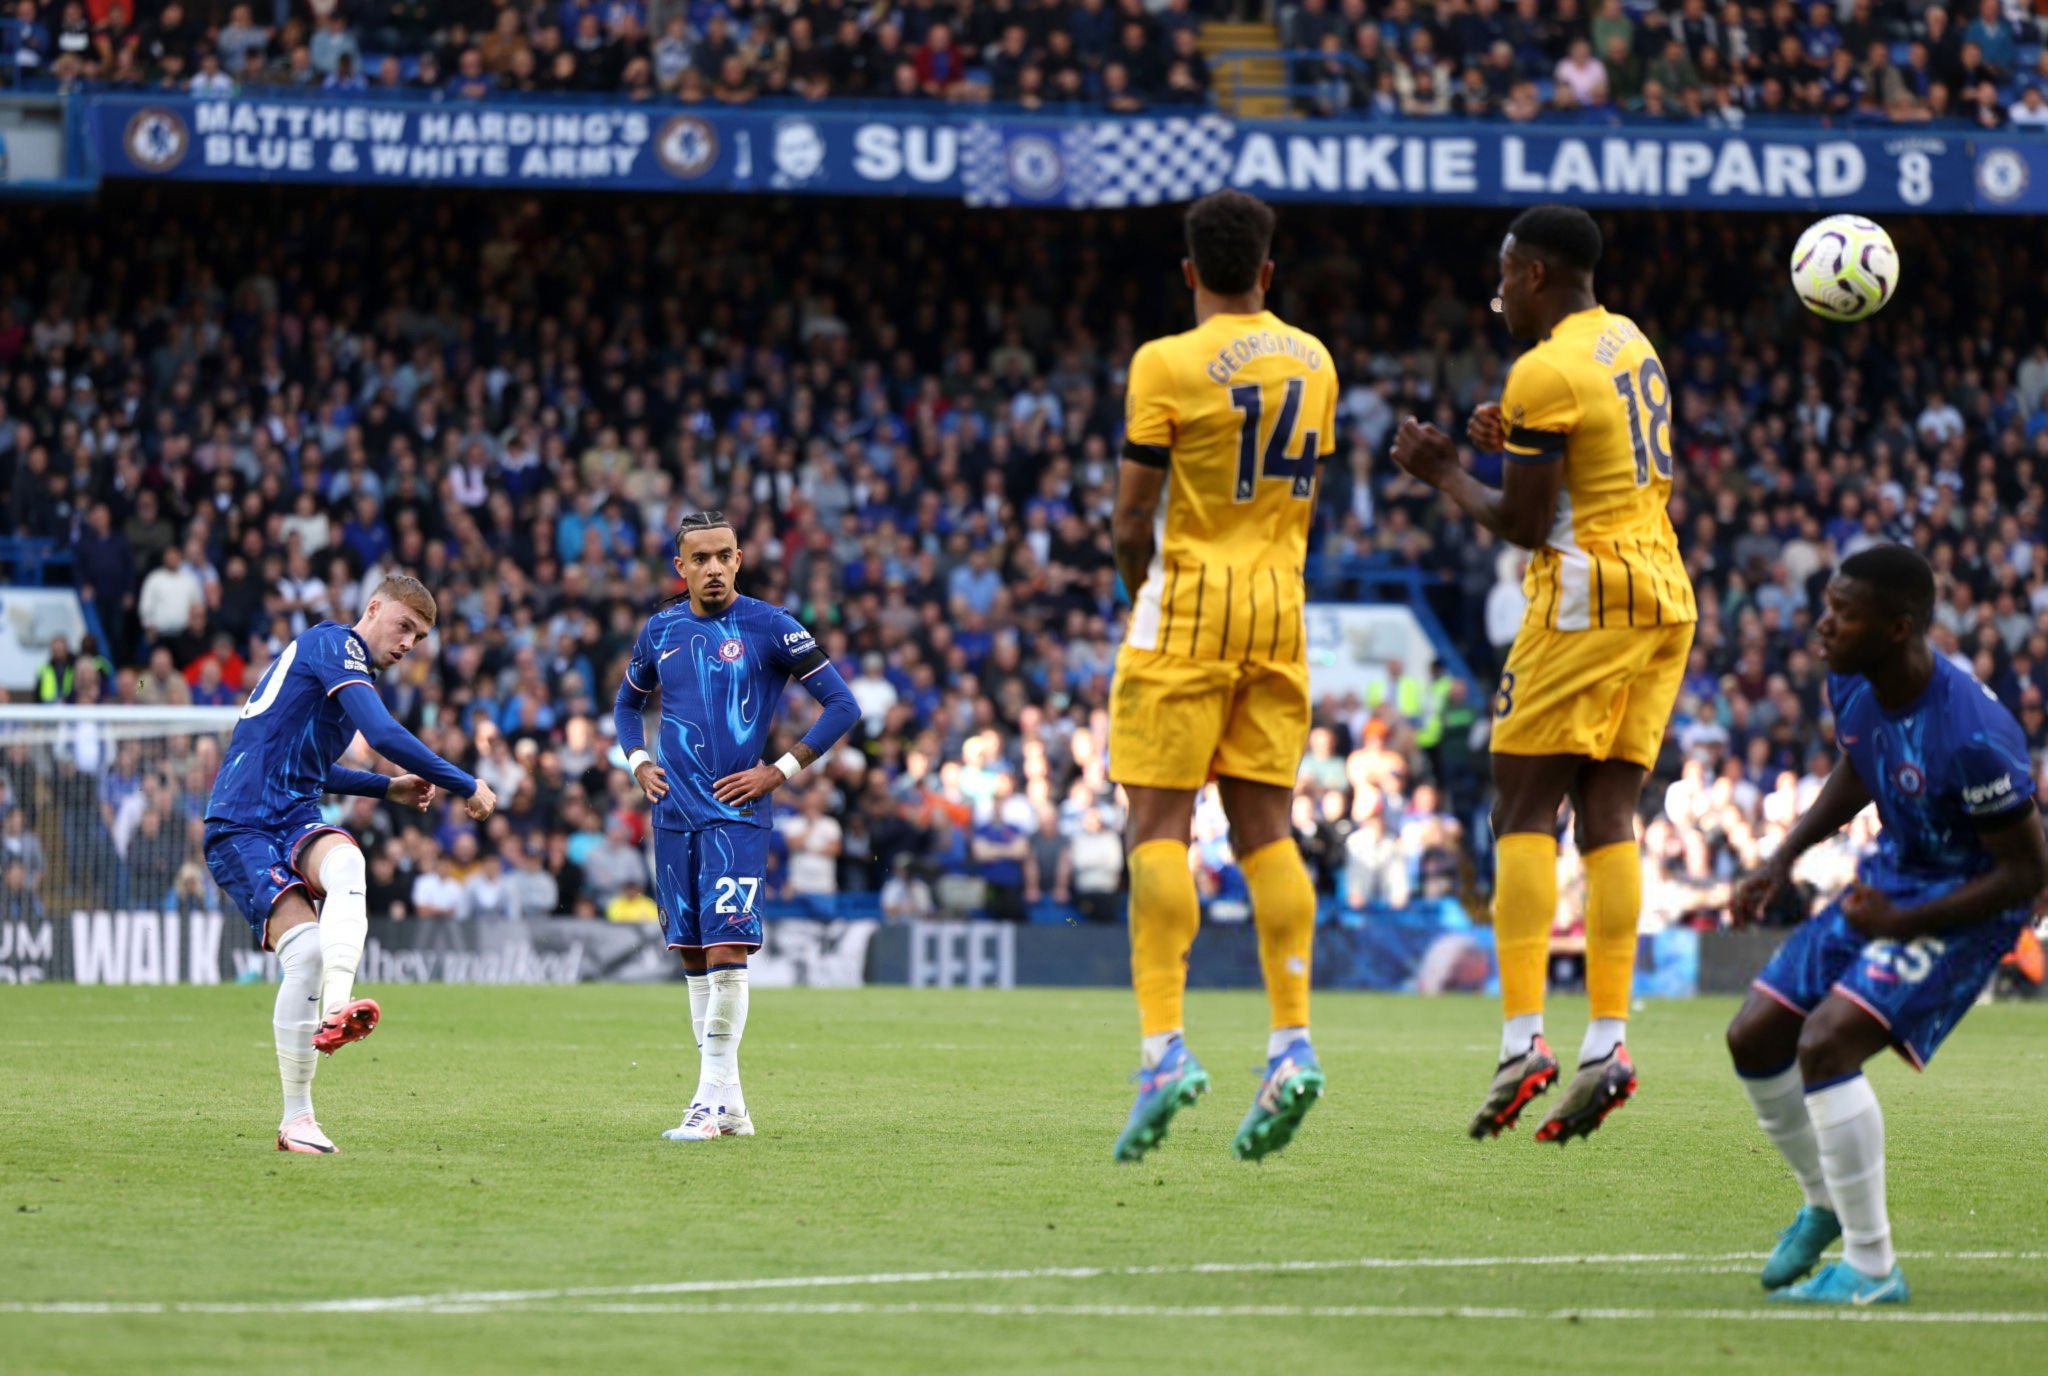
[1845, 268]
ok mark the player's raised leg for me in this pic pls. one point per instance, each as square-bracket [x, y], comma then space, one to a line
[1763, 1041]
[334, 864]
[1284, 909]
[1530, 789]
[1165, 914]
[1604, 804]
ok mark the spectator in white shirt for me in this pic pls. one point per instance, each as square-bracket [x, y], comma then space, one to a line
[1506, 602]
[905, 897]
[1939, 421]
[2030, 111]
[437, 893]
[1375, 873]
[169, 594]
[815, 841]
[1092, 870]
[310, 524]
[210, 80]
[875, 694]
[305, 597]
[1583, 73]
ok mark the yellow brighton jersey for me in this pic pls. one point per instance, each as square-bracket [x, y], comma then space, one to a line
[1238, 410]
[1593, 396]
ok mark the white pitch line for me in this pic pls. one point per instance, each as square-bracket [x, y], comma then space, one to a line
[474, 1301]
[947, 1309]
[1787, 1313]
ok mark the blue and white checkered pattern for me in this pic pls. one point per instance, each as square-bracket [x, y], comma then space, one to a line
[984, 179]
[1104, 164]
[1155, 161]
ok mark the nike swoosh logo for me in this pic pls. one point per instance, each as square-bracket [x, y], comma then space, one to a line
[1872, 1296]
[666, 653]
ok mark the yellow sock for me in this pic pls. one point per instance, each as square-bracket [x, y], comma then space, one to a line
[1165, 911]
[1614, 900]
[1524, 907]
[1284, 908]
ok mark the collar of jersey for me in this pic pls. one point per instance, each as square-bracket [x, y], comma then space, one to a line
[1596, 306]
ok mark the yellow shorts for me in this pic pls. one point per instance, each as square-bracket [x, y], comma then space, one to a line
[1175, 722]
[1605, 694]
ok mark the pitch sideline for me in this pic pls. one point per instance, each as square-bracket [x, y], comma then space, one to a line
[582, 1298]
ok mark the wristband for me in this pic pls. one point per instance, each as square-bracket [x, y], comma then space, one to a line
[635, 760]
[789, 767]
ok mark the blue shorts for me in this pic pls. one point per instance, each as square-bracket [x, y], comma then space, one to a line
[706, 884]
[1918, 989]
[257, 866]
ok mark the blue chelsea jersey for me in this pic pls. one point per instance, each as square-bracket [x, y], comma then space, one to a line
[721, 679]
[292, 730]
[1939, 771]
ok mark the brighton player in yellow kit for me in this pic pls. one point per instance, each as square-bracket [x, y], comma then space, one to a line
[1585, 423]
[1225, 425]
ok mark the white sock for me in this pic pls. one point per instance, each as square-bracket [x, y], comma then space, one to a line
[1780, 1103]
[1602, 1036]
[725, 1022]
[1518, 1034]
[700, 997]
[1154, 1048]
[296, 1017]
[344, 926]
[1280, 1038]
[1850, 1129]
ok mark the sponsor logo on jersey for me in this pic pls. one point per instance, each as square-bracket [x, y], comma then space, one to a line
[1975, 796]
[731, 651]
[1908, 779]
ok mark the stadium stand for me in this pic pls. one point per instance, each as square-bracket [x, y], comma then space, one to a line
[1727, 63]
[222, 432]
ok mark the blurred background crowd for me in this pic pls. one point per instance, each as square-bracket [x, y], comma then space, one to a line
[232, 424]
[1719, 61]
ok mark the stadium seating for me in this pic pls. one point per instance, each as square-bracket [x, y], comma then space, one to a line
[1658, 60]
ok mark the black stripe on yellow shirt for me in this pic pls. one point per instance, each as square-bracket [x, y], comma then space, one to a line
[1195, 631]
[1273, 650]
[1251, 632]
[1150, 455]
[1656, 583]
[1172, 585]
[1229, 596]
[1537, 446]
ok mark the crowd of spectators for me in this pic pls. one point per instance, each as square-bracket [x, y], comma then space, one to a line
[1117, 54]
[237, 422]
[1719, 61]
[1723, 62]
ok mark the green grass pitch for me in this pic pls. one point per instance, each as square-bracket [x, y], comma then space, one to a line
[503, 1159]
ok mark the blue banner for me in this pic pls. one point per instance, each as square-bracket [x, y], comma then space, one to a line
[1079, 162]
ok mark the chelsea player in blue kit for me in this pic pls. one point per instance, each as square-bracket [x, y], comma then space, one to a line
[272, 853]
[1899, 959]
[720, 662]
